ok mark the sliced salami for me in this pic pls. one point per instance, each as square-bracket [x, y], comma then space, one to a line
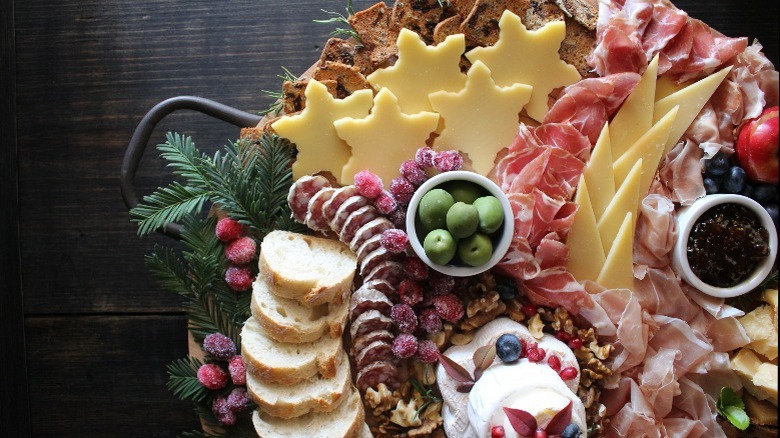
[391, 271]
[315, 218]
[369, 230]
[370, 321]
[362, 341]
[368, 246]
[374, 352]
[345, 209]
[375, 373]
[383, 286]
[365, 299]
[340, 196]
[357, 219]
[301, 193]
[374, 258]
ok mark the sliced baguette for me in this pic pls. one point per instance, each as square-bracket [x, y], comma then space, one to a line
[348, 420]
[311, 270]
[313, 395]
[286, 320]
[286, 363]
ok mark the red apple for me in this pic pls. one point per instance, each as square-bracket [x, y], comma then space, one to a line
[757, 147]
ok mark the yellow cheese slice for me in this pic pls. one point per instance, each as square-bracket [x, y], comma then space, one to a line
[598, 174]
[691, 100]
[312, 131]
[384, 139]
[626, 200]
[649, 147]
[666, 85]
[586, 255]
[421, 70]
[635, 116]
[618, 269]
[528, 57]
[481, 119]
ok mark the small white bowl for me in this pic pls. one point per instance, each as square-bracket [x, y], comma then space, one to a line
[501, 244]
[687, 217]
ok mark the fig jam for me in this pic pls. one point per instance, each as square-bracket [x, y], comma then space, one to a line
[726, 244]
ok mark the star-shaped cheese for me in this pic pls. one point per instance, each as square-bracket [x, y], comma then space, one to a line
[312, 131]
[481, 119]
[421, 70]
[384, 139]
[528, 57]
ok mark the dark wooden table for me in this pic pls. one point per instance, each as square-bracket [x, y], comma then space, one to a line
[86, 333]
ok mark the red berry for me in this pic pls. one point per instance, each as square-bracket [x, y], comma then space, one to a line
[394, 240]
[497, 432]
[446, 161]
[415, 268]
[424, 157]
[404, 346]
[562, 336]
[398, 218]
[441, 283]
[554, 362]
[540, 433]
[404, 317]
[528, 346]
[529, 310]
[237, 370]
[410, 291]
[238, 400]
[241, 251]
[448, 307]
[368, 184]
[212, 376]
[575, 343]
[223, 412]
[413, 173]
[427, 352]
[430, 321]
[239, 278]
[385, 202]
[568, 373]
[402, 190]
[535, 354]
[228, 230]
[219, 346]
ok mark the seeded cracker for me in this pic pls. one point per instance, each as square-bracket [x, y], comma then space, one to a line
[348, 79]
[418, 16]
[346, 52]
[376, 34]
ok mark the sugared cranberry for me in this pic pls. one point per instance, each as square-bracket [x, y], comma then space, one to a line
[402, 190]
[415, 268]
[219, 346]
[241, 251]
[228, 229]
[424, 157]
[404, 346]
[430, 321]
[238, 400]
[427, 352]
[404, 317]
[448, 307]
[237, 370]
[413, 173]
[239, 278]
[222, 411]
[212, 376]
[385, 202]
[446, 161]
[410, 291]
[394, 240]
[368, 184]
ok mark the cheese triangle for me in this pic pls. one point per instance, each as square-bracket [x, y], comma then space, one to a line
[691, 100]
[618, 269]
[598, 174]
[586, 255]
[626, 200]
[635, 116]
[649, 147]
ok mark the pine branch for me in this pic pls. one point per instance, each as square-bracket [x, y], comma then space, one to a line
[185, 159]
[166, 205]
[169, 270]
[183, 380]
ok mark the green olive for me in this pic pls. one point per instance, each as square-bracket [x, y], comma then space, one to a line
[433, 209]
[491, 214]
[475, 250]
[462, 220]
[440, 246]
[464, 191]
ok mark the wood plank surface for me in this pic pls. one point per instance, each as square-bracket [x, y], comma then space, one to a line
[98, 331]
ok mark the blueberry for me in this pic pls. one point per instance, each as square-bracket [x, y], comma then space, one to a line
[711, 186]
[717, 165]
[571, 431]
[508, 347]
[747, 191]
[765, 194]
[507, 290]
[773, 212]
[734, 181]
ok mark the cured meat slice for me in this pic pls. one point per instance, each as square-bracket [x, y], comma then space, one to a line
[332, 205]
[383, 286]
[357, 219]
[301, 192]
[374, 258]
[375, 373]
[391, 271]
[374, 352]
[368, 246]
[566, 137]
[362, 341]
[365, 299]
[349, 206]
[373, 228]
[315, 218]
[370, 321]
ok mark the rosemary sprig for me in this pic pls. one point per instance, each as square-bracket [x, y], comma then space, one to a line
[426, 392]
[342, 20]
[278, 96]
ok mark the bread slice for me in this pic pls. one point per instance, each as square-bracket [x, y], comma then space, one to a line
[313, 395]
[311, 270]
[348, 420]
[286, 363]
[286, 320]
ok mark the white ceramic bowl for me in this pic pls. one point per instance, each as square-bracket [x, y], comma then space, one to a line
[500, 243]
[687, 217]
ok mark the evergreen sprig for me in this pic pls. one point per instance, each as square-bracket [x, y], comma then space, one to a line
[278, 96]
[342, 20]
[183, 380]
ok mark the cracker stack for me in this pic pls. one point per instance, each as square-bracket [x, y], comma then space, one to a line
[298, 372]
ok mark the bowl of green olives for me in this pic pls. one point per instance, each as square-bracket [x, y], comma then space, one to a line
[460, 223]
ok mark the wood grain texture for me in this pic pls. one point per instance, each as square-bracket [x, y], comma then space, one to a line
[98, 330]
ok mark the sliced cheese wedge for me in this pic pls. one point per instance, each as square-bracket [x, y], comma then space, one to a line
[598, 174]
[626, 200]
[586, 254]
[690, 100]
[618, 270]
[635, 116]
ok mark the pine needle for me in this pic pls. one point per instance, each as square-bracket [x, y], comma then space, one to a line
[183, 380]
